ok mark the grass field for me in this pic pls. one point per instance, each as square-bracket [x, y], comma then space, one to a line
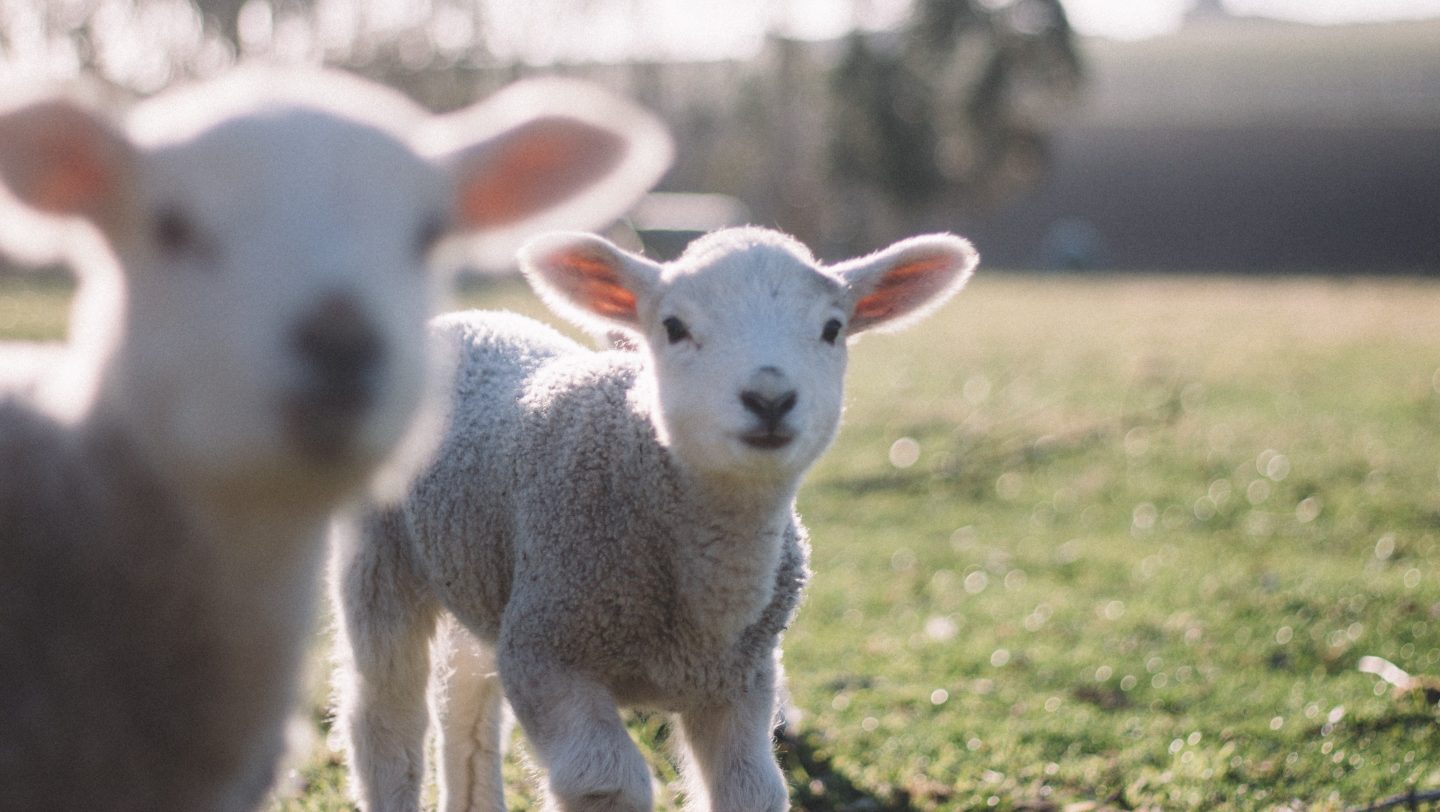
[1105, 542]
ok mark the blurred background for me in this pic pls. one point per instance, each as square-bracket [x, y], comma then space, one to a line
[1197, 135]
[1089, 541]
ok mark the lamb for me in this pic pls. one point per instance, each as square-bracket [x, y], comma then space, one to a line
[248, 354]
[607, 529]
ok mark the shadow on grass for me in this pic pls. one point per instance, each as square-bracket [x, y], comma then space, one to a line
[819, 787]
[1416, 715]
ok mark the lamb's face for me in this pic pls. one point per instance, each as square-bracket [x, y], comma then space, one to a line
[266, 335]
[277, 296]
[746, 331]
[748, 360]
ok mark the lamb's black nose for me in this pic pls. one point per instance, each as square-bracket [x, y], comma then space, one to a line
[771, 409]
[340, 351]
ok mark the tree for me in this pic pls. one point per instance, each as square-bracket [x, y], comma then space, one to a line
[956, 104]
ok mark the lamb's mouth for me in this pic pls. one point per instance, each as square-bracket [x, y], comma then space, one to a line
[766, 440]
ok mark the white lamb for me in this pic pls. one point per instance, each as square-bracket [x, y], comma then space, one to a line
[615, 528]
[249, 349]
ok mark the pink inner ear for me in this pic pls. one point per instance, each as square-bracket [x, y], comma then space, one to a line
[534, 168]
[81, 179]
[591, 280]
[68, 163]
[902, 287]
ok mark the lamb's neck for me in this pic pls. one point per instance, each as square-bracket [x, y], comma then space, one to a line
[746, 504]
[263, 564]
[281, 552]
[727, 561]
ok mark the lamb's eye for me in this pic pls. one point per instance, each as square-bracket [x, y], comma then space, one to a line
[675, 330]
[429, 232]
[831, 331]
[173, 231]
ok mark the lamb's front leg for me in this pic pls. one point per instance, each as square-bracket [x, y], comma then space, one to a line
[470, 718]
[574, 727]
[729, 762]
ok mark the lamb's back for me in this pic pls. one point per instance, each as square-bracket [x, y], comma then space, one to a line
[524, 398]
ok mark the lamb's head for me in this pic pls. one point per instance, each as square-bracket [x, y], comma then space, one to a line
[747, 333]
[267, 239]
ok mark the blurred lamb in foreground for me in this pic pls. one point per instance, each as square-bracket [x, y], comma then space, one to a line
[616, 528]
[248, 354]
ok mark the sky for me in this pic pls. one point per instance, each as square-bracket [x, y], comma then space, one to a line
[1119, 19]
[703, 29]
[1135, 19]
[141, 38]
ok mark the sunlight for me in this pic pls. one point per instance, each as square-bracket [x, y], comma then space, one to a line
[1121, 20]
[143, 42]
[1334, 12]
[1118, 19]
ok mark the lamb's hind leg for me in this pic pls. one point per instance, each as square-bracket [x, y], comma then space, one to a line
[470, 717]
[387, 621]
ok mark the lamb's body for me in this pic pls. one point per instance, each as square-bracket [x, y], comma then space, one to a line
[614, 528]
[164, 691]
[589, 540]
[560, 532]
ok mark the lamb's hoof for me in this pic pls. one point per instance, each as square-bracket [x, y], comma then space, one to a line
[613, 801]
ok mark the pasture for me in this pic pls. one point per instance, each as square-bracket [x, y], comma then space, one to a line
[1091, 542]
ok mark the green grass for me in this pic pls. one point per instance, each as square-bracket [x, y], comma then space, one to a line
[33, 306]
[1143, 532]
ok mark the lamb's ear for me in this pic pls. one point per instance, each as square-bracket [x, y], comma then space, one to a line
[547, 154]
[64, 161]
[589, 280]
[901, 284]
